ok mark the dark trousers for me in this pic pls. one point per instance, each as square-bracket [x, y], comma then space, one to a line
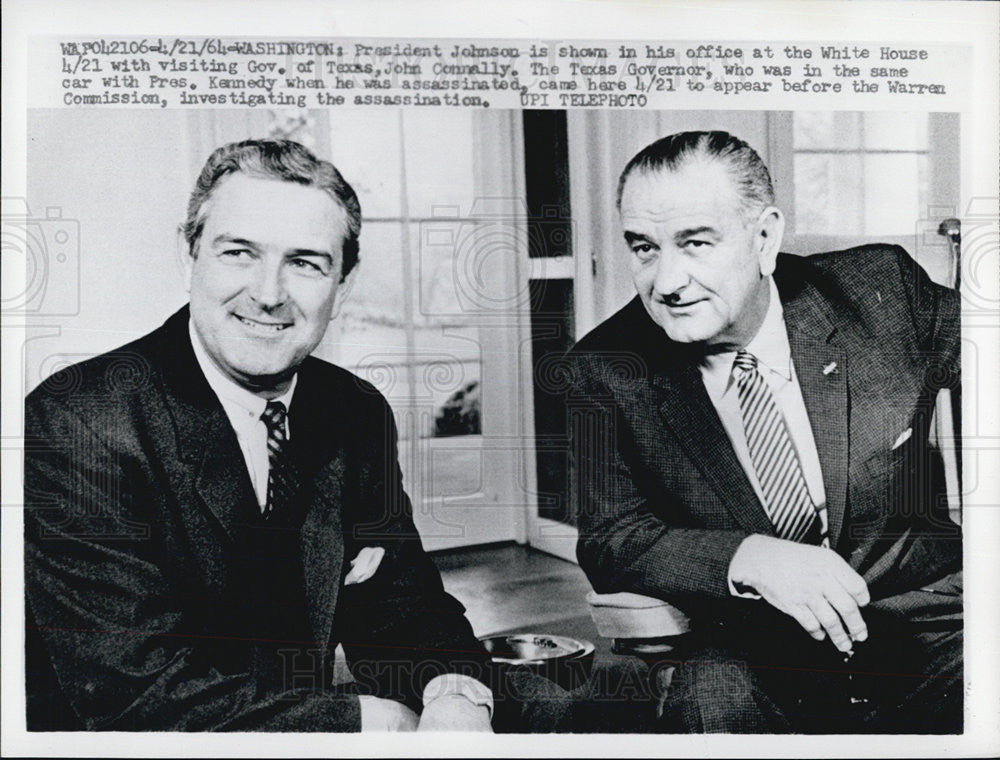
[525, 702]
[906, 678]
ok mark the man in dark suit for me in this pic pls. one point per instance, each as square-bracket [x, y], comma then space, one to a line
[209, 510]
[750, 443]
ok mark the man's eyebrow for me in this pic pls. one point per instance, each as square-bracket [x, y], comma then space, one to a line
[631, 237]
[682, 235]
[310, 252]
[227, 238]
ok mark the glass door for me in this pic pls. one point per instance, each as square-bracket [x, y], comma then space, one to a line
[425, 319]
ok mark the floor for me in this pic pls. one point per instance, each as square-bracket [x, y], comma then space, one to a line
[507, 587]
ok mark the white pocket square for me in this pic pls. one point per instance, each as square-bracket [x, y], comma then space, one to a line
[903, 438]
[364, 565]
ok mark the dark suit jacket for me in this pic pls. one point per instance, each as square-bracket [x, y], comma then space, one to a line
[135, 487]
[662, 500]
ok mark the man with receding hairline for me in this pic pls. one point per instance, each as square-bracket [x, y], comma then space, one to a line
[764, 462]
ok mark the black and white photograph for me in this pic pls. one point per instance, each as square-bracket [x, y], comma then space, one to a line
[510, 418]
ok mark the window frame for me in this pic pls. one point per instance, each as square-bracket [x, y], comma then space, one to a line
[942, 167]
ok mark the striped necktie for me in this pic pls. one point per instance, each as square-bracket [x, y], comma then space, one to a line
[281, 472]
[779, 472]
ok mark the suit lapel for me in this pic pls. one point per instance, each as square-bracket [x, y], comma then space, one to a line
[316, 437]
[205, 437]
[323, 550]
[688, 412]
[223, 481]
[825, 397]
[821, 365]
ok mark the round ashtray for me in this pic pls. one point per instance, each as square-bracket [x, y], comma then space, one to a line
[534, 648]
[561, 659]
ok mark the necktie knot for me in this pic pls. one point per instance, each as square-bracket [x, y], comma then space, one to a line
[745, 362]
[274, 416]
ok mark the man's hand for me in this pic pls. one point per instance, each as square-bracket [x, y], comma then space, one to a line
[455, 713]
[386, 715]
[810, 583]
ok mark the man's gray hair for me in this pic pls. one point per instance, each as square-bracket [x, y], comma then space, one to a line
[283, 160]
[750, 176]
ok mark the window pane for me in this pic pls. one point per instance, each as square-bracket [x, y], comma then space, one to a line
[463, 267]
[447, 348]
[447, 383]
[446, 367]
[438, 468]
[438, 160]
[892, 193]
[824, 129]
[896, 131]
[372, 319]
[436, 246]
[828, 194]
[447, 376]
[364, 146]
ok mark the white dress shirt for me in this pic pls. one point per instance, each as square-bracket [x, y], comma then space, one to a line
[244, 410]
[774, 362]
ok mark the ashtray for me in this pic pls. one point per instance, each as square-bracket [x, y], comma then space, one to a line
[562, 659]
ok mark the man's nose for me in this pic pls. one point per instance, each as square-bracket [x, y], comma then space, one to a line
[268, 288]
[671, 276]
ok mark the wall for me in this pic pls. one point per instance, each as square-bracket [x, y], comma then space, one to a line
[121, 278]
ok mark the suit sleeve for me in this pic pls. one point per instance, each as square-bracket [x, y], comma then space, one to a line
[936, 314]
[402, 629]
[935, 311]
[106, 613]
[623, 545]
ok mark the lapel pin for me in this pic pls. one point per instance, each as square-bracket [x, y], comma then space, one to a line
[830, 369]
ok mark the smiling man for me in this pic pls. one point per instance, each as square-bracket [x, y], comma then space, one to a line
[210, 510]
[751, 444]
[264, 278]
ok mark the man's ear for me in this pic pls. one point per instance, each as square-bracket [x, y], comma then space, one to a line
[769, 231]
[344, 290]
[185, 258]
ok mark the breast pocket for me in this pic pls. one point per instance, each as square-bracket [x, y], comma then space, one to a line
[881, 488]
[895, 457]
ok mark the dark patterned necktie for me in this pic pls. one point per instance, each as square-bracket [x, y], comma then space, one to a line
[786, 496]
[281, 472]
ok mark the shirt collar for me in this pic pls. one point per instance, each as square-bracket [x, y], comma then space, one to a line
[239, 403]
[769, 345]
